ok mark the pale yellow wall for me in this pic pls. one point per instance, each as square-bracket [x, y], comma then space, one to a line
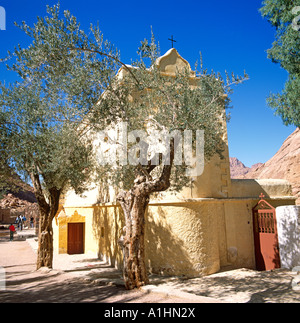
[201, 236]
[239, 251]
[192, 238]
[108, 222]
[254, 187]
[215, 180]
[179, 241]
[239, 230]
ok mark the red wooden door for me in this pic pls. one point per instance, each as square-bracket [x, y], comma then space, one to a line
[75, 238]
[265, 236]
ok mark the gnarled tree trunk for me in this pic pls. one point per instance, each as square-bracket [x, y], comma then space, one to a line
[45, 243]
[134, 203]
[47, 213]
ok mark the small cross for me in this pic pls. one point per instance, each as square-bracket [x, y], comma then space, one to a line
[172, 40]
[261, 196]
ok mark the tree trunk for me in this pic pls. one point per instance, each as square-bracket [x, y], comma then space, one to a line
[47, 213]
[134, 204]
[134, 207]
[45, 246]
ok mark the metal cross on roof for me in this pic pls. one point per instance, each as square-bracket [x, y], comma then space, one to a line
[261, 196]
[172, 40]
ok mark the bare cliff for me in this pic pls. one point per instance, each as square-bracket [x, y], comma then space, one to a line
[285, 164]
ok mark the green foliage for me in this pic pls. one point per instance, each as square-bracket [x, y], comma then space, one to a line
[286, 52]
[68, 90]
[148, 100]
[59, 84]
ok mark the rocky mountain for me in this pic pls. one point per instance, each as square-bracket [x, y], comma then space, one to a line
[285, 164]
[11, 201]
[239, 170]
[14, 192]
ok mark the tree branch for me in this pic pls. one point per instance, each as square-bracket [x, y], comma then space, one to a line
[107, 55]
[163, 182]
[38, 191]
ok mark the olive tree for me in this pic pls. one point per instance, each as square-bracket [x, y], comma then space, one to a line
[40, 113]
[284, 15]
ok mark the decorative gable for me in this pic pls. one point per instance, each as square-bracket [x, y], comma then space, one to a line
[171, 61]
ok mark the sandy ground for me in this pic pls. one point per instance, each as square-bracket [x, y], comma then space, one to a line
[84, 278]
[25, 284]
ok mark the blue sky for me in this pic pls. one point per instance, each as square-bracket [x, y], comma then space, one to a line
[231, 35]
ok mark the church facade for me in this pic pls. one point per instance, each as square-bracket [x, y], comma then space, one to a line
[198, 231]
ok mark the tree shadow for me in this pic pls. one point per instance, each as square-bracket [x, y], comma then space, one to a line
[242, 286]
[108, 222]
[162, 248]
[165, 252]
[27, 280]
[66, 291]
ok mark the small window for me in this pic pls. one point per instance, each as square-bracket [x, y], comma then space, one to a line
[102, 232]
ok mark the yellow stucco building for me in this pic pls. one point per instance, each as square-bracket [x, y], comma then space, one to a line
[196, 232]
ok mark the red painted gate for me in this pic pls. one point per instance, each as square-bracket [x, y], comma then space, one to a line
[265, 236]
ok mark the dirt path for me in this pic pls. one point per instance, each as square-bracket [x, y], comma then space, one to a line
[82, 278]
[25, 284]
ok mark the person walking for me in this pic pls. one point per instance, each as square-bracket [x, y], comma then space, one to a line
[21, 222]
[31, 222]
[24, 221]
[12, 230]
[17, 222]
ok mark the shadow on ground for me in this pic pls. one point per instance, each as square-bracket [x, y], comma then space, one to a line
[243, 286]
